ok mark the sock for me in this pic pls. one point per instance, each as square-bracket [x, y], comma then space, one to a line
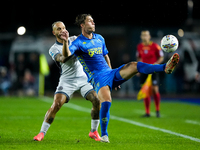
[150, 68]
[104, 117]
[94, 124]
[147, 102]
[45, 127]
[157, 101]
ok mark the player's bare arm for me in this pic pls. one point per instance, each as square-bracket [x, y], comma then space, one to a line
[108, 60]
[64, 36]
[61, 58]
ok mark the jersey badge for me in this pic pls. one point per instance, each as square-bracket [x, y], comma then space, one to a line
[146, 51]
[92, 42]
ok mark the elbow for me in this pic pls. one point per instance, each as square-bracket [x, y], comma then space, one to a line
[63, 61]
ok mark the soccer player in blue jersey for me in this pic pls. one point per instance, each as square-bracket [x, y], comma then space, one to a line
[90, 49]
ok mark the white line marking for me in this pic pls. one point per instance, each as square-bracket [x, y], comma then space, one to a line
[192, 122]
[83, 109]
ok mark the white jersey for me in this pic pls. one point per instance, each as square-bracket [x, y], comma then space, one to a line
[72, 67]
[72, 78]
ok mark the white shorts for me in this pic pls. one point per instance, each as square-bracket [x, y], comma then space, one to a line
[68, 87]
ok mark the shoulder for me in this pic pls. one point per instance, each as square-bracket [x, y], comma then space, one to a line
[99, 36]
[156, 46]
[72, 38]
[54, 49]
[139, 45]
[76, 40]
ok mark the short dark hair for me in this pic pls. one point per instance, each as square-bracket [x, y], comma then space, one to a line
[81, 19]
[145, 30]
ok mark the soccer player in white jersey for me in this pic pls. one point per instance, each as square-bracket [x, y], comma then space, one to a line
[72, 79]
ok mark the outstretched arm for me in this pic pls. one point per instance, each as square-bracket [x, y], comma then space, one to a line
[108, 60]
[65, 51]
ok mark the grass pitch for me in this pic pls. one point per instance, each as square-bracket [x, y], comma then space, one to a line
[21, 119]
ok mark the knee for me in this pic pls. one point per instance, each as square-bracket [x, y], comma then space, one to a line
[92, 96]
[95, 101]
[131, 65]
[56, 105]
[59, 100]
[155, 89]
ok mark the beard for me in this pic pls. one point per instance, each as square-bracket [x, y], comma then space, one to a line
[90, 30]
[58, 36]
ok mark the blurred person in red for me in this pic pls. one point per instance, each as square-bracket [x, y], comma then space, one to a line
[150, 52]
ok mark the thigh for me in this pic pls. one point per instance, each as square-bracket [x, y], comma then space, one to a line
[129, 70]
[66, 88]
[155, 79]
[155, 82]
[86, 89]
[104, 94]
[60, 99]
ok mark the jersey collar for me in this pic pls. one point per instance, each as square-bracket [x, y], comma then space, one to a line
[59, 43]
[150, 43]
[93, 37]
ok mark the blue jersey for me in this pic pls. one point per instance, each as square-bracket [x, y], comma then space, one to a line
[90, 53]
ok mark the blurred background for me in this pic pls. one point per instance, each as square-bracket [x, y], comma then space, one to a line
[26, 34]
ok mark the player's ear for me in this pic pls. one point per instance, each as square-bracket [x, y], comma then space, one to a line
[81, 25]
[53, 32]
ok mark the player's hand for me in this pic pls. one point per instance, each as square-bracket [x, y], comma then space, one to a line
[116, 88]
[64, 35]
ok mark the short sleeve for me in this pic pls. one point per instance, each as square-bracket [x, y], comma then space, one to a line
[53, 52]
[159, 50]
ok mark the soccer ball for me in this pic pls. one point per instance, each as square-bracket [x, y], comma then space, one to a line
[169, 43]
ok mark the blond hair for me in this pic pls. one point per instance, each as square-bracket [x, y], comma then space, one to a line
[56, 23]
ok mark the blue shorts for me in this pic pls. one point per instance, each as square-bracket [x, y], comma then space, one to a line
[112, 78]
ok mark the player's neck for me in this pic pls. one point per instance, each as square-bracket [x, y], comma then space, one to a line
[87, 35]
[146, 42]
[59, 40]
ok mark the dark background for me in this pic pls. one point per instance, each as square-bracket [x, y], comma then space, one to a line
[39, 15]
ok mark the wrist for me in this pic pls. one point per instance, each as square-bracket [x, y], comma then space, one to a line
[65, 41]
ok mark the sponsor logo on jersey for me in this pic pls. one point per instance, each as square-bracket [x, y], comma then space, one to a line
[93, 51]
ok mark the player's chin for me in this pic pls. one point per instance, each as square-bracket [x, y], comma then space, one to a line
[92, 29]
